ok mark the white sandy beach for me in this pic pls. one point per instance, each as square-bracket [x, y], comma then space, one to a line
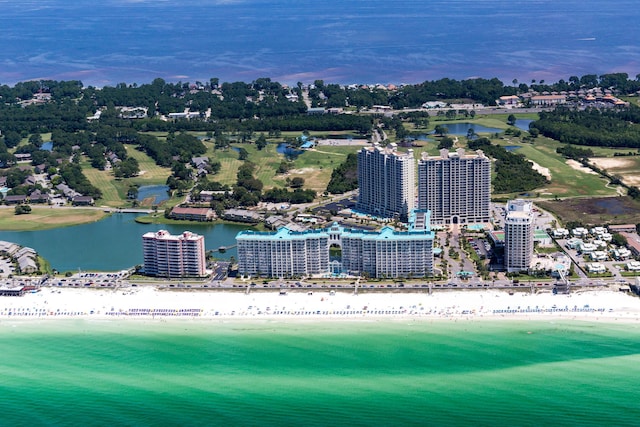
[148, 303]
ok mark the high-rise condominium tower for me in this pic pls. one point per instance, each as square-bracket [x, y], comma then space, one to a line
[386, 178]
[518, 235]
[166, 255]
[455, 187]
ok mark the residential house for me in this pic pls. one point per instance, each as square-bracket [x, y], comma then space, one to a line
[17, 199]
[82, 201]
[192, 214]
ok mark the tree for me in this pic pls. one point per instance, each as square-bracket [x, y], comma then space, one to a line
[511, 120]
[445, 142]
[36, 139]
[297, 182]
[261, 142]
[132, 193]
[441, 130]
[22, 209]
[471, 134]
[618, 240]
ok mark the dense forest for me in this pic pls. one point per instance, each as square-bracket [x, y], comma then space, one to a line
[514, 173]
[99, 122]
[611, 127]
[345, 177]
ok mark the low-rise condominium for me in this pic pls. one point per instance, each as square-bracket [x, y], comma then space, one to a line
[383, 254]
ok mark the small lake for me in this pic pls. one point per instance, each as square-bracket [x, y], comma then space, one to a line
[115, 243]
[47, 146]
[523, 124]
[288, 151]
[159, 193]
[463, 128]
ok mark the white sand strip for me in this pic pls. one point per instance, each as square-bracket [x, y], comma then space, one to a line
[148, 303]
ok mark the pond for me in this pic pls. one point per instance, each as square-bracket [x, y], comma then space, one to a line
[511, 147]
[463, 128]
[114, 243]
[159, 193]
[47, 146]
[288, 151]
[523, 124]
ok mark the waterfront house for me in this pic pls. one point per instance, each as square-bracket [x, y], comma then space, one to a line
[82, 201]
[192, 214]
[242, 215]
[67, 191]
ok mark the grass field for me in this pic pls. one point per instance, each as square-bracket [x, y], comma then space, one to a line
[565, 180]
[42, 218]
[595, 211]
[315, 166]
[114, 190]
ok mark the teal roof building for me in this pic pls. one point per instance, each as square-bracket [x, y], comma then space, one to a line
[386, 253]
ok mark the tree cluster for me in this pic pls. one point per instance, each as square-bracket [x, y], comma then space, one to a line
[514, 173]
[345, 177]
[610, 127]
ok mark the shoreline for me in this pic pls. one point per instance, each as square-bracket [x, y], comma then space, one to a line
[152, 304]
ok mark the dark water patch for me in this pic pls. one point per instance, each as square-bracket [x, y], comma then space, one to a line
[159, 193]
[613, 206]
[288, 151]
[523, 124]
[463, 128]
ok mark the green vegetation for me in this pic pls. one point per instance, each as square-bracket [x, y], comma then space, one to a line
[592, 126]
[123, 148]
[513, 173]
[345, 177]
[42, 218]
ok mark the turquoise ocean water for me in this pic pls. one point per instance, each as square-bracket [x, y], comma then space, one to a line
[268, 373]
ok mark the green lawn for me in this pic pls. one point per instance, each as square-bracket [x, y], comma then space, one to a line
[315, 166]
[43, 218]
[114, 190]
[565, 180]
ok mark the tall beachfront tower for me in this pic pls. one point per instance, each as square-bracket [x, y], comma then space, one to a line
[518, 235]
[167, 255]
[386, 179]
[455, 187]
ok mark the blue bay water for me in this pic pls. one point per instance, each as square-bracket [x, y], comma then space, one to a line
[353, 41]
[269, 373]
[112, 244]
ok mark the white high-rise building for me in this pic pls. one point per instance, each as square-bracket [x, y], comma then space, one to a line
[386, 179]
[384, 254]
[167, 255]
[455, 187]
[518, 235]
